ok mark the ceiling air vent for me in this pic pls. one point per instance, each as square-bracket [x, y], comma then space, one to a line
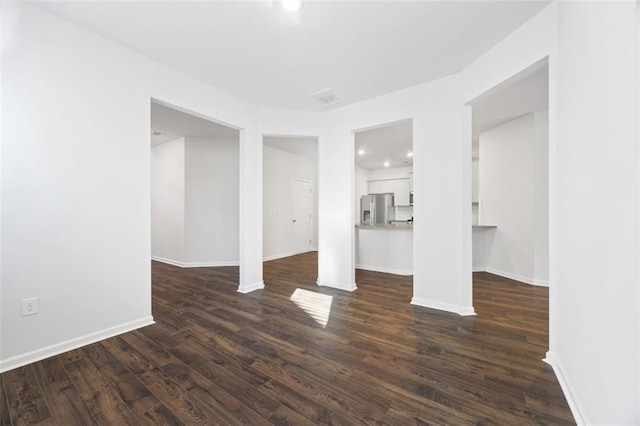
[326, 97]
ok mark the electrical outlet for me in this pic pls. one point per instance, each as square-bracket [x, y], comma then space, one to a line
[29, 306]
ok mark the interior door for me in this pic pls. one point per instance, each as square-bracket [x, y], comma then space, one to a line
[302, 211]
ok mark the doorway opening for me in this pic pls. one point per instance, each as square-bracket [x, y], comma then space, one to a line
[383, 198]
[290, 203]
[194, 190]
[510, 181]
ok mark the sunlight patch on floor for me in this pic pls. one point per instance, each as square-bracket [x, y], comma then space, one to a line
[316, 305]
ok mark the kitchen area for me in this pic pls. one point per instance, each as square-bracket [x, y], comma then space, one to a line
[384, 199]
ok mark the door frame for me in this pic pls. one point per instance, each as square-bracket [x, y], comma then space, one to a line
[310, 230]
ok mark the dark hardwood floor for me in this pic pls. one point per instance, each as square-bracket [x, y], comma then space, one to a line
[215, 356]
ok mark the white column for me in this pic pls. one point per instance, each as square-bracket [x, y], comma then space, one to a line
[250, 211]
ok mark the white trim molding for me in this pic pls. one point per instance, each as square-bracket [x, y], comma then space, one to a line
[521, 278]
[244, 289]
[339, 286]
[194, 264]
[578, 411]
[288, 254]
[75, 343]
[460, 310]
[385, 270]
[277, 256]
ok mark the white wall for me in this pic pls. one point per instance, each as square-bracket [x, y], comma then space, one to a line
[475, 173]
[438, 175]
[194, 202]
[168, 201]
[89, 118]
[509, 170]
[593, 195]
[76, 182]
[541, 197]
[361, 187]
[595, 342]
[211, 202]
[280, 168]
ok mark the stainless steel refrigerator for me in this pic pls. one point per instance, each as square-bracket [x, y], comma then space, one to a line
[376, 209]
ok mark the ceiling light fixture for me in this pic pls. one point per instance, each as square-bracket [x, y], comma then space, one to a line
[361, 152]
[291, 5]
[386, 164]
[409, 154]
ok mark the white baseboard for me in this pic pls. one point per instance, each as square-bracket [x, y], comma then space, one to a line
[287, 254]
[515, 277]
[75, 343]
[194, 264]
[478, 269]
[244, 289]
[339, 286]
[385, 270]
[579, 414]
[167, 261]
[460, 310]
[277, 256]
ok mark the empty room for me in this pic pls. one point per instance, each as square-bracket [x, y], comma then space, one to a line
[304, 212]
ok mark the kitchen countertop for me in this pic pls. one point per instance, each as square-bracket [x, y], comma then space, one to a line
[409, 225]
[395, 225]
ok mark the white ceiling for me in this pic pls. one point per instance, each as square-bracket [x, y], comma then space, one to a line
[272, 58]
[174, 124]
[299, 145]
[387, 143]
[525, 96]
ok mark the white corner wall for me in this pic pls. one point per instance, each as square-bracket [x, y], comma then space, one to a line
[280, 168]
[512, 179]
[211, 202]
[76, 228]
[541, 198]
[168, 201]
[595, 343]
[593, 194]
[442, 276]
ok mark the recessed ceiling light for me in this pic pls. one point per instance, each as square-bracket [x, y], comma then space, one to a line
[409, 154]
[291, 5]
[386, 164]
[361, 152]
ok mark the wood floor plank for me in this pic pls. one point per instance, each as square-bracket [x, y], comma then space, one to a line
[66, 406]
[5, 416]
[116, 374]
[215, 356]
[104, 404]
[25, 396]
[183, 404]
[64, 402]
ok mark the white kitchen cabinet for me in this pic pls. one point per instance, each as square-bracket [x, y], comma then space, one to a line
[401, 192]
[387, 186]
[375, 187]
[380, 187]
[410, 181]
[400, 189]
